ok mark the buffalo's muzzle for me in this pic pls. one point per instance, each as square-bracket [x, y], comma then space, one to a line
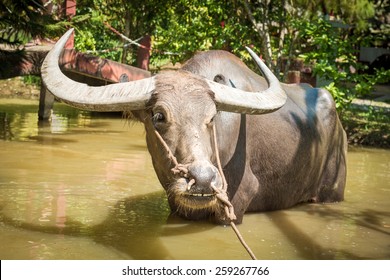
[203, 175]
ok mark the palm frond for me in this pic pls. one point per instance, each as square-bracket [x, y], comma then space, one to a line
[22, 20]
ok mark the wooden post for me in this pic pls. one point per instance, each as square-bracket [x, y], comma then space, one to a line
[70, 11]
[46, 99]
[293, 77]
[143, 54]
[70, 8]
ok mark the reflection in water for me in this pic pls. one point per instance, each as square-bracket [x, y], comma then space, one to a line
[83, 187]
[19, 120]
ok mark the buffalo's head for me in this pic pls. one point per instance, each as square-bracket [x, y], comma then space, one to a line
[179, 107]
[182, 110]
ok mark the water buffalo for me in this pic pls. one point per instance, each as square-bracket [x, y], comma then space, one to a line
[278, 144]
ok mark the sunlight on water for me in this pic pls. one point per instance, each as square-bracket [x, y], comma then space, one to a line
[83, 187]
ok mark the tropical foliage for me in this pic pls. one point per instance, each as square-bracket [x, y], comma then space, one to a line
[325, 33]
[22, 20]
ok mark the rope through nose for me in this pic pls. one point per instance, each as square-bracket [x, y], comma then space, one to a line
[221, 194]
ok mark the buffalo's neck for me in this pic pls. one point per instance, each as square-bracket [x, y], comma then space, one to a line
[232, 145]
[231, 136]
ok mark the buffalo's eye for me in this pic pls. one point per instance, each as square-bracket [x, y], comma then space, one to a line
[210, 122]
[158, 117]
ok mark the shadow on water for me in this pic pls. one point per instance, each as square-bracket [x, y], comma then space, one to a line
[133, 226]
[309, 247]
[367, 218]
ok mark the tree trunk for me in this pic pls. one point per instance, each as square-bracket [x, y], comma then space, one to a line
[263, 30]
[127, 34]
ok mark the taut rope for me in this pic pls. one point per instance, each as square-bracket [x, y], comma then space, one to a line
[221, 194]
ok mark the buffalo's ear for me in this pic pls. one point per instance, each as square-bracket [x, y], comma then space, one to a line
[220, 79]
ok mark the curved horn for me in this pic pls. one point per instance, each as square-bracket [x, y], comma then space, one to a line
[239, 101]
[116, 97]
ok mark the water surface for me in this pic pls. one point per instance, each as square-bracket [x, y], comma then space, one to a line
[83, 187]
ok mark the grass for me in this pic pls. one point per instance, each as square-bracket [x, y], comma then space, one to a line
[368, 127]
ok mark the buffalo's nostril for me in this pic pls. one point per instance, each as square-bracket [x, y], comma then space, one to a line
[205, 175]
[202, 175]
[190, 184]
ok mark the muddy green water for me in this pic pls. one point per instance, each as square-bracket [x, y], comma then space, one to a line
[83, 187]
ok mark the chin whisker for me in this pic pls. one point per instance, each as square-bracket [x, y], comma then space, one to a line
[194, 207]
